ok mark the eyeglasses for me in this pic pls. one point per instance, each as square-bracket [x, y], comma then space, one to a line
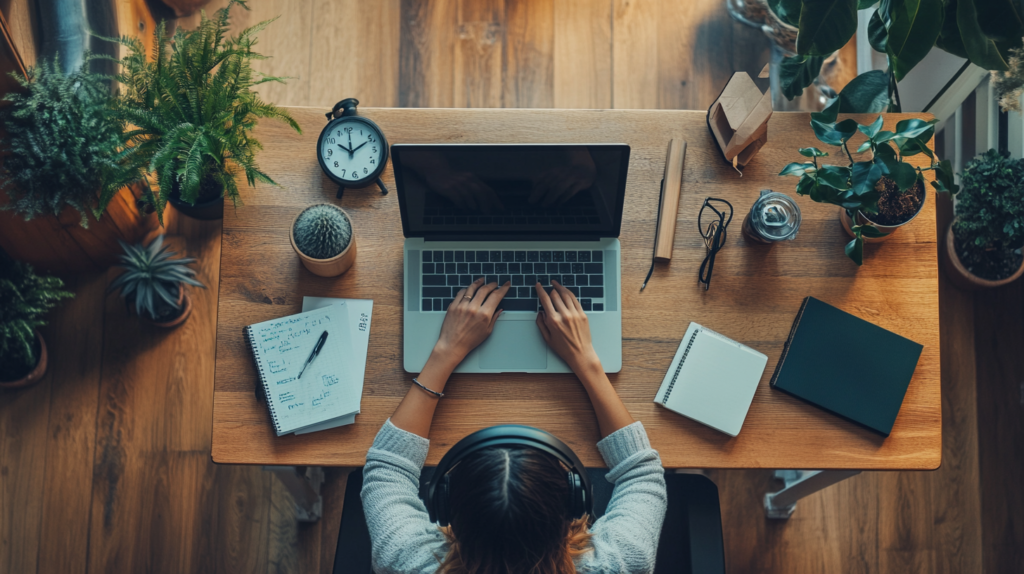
[714, 234]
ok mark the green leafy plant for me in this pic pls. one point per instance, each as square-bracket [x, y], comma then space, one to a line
[854, 187]
[25, 298]
[990, 208]
[63, 145]
[322, 231]
[982, 31]
[151, 280]
[192, 109]
[1009, 85]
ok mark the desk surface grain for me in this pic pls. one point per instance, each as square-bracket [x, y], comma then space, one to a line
[754, 296]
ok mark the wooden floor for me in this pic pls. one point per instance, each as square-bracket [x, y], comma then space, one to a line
[105, 465]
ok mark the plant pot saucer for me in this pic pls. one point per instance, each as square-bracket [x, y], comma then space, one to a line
[35, 374]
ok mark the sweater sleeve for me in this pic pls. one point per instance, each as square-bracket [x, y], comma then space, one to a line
[625, 539]
[402, 536]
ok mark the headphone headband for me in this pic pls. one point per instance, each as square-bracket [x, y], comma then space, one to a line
[436, 495]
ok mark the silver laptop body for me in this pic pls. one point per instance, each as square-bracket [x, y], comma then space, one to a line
[522, 213]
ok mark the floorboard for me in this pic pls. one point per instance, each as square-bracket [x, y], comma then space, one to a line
[105, 466]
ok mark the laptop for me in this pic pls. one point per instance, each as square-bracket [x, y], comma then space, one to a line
[518, 213]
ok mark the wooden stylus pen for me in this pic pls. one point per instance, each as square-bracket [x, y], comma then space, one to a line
[668, 204]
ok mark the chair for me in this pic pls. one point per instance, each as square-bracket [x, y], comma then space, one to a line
[693, 516]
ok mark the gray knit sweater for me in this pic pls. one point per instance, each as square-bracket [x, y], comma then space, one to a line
[404, 540]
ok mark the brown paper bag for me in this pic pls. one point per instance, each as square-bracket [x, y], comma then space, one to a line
[739, 119]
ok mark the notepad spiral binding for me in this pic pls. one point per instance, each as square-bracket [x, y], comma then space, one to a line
[259, 372]
[679, 367]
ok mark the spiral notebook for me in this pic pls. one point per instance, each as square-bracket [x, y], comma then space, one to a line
[712, 380]
[330, 387]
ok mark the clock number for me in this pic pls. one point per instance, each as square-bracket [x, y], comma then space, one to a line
[335, 164]
[371, 139]
[364, 170]
[339, 132]
[374, 149]
[342, 173]
[330, 152]
[349, 130]
[333, 140]
[373, 161]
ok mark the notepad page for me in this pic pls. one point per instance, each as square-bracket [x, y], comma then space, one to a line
[327, 388]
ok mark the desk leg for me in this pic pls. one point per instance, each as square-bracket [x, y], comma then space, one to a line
[303, 483]
[800, 483]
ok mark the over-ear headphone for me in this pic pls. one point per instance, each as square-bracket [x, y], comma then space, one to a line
[436, 495]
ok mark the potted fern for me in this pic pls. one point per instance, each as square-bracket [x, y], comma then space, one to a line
[880, 193]
[192, 110]
[323, 238]
[154, 283]
[984, 241]
[66, 159]
[25, 298]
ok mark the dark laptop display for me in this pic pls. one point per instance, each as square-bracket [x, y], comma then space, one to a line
[511, 190]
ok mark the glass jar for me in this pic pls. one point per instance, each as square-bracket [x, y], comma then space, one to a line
[773, 217]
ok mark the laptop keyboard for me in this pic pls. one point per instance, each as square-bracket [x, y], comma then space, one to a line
[446, 272]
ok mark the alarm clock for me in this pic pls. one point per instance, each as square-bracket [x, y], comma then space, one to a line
[352, 150]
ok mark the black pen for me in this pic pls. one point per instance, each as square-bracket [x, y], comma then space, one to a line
[313, 355]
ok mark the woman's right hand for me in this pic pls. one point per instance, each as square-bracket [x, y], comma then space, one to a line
[565, 328]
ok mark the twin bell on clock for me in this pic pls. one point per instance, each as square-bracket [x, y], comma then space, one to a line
[352, 149]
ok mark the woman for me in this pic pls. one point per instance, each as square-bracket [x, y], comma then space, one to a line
[508, 505]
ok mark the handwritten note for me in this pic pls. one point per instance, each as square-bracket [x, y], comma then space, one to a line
[324, 391]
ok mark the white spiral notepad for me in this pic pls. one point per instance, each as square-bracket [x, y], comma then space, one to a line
[712, 380]
[329, 388]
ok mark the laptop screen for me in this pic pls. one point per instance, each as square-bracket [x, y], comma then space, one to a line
[511, 190]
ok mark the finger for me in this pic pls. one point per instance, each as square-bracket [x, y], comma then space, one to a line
[545, 301]
[569, 298]
[482, 292]
[458, 298]
[472, 289]
[494, 319]
[495, 297]
[543, 328]
[556, 299]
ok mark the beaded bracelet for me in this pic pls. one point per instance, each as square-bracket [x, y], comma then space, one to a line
[436, 394]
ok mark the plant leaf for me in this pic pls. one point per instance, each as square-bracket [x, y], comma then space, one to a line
[872, 129]
[855, 250]
[868, 93]
[798, 72]
[826, 26]
[944, 178]
[877, 34]
[914, 128]
[981, 50]
[1000, 20]
[913, 28]
[797, 169]
[904, 175]
[865, 176]
[871, 231]
[787, 10]
[812, 152]
[834, 134]
[835, 176]
[865, 4]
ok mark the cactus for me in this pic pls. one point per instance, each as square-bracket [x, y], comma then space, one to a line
[322, 231]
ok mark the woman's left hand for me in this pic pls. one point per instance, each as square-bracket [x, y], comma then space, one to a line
[470, 319]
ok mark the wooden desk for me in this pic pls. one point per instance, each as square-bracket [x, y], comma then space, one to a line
[754, 296]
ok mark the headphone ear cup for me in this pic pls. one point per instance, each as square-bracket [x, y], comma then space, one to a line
[577, 497]
[441, 502]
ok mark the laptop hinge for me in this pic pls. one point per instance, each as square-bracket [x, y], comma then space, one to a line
[511, 238]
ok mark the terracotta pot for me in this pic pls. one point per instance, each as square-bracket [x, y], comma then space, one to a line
[334, 266]
[963, 278]
[184, 303]
[888, 230]
[61, 245]
[35, 375]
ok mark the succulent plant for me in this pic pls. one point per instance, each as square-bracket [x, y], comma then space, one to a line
[64, 147]
[151, 279]
[24, 300]
[322, 231]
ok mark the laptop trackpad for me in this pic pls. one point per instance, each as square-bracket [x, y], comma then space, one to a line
[514, 346]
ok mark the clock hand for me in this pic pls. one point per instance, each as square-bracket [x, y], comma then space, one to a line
[359, 146]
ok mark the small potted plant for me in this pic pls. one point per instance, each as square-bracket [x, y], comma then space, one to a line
[880, 193]
[984, 241]
[154, 283]
[193, 108]
[322, 235]
[25, 299]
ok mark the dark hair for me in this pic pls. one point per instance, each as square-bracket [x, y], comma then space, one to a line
[509, 512]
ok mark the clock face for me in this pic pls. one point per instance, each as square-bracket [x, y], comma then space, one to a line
[352, 149]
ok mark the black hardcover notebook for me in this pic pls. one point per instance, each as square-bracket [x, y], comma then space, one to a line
[846, 365]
